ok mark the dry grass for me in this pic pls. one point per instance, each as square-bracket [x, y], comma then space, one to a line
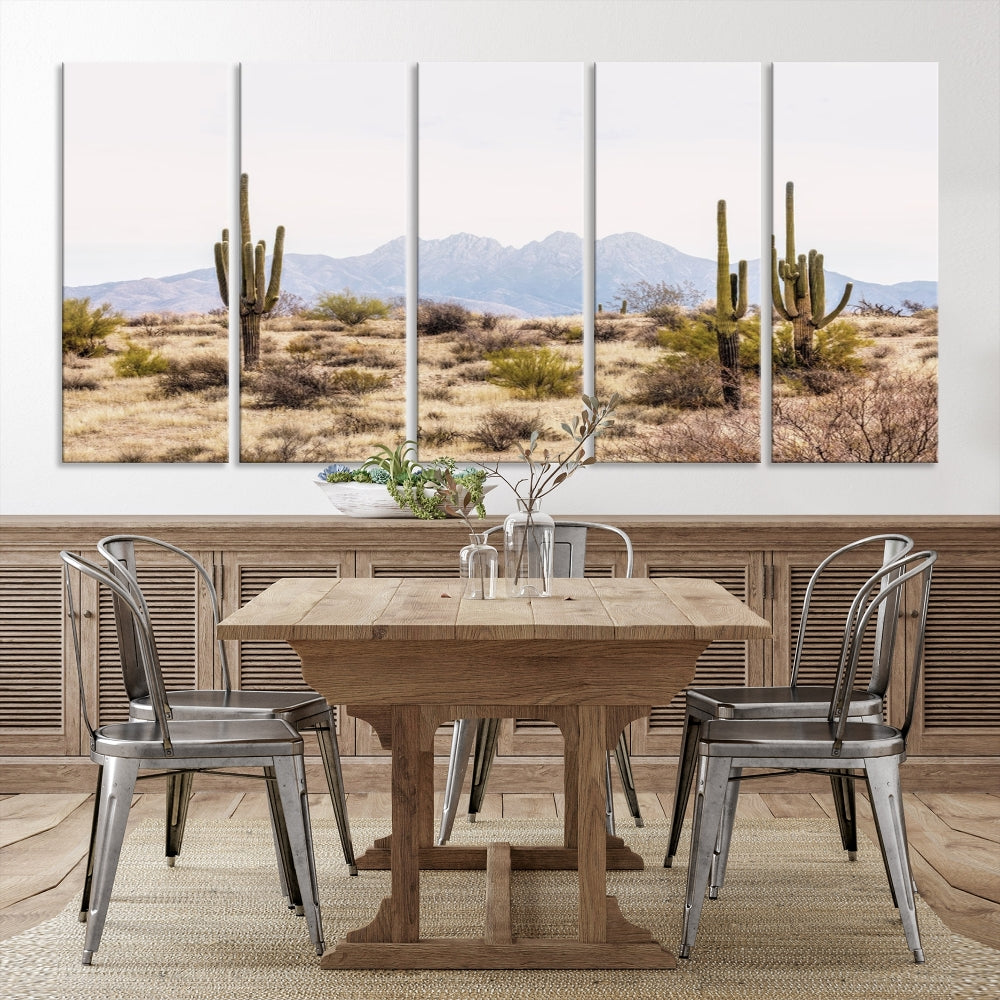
[357, 386]
[112, 419]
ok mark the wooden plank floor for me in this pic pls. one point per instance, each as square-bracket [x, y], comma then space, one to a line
[954, 843]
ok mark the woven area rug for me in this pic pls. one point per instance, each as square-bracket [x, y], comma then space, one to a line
[796, 920]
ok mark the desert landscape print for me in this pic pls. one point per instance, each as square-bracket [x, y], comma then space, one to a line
[496, 345]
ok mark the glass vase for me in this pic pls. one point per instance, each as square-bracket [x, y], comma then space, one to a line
[528, 539]
[478, 565]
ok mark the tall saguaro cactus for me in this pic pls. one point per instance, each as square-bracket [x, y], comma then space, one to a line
[730, 307]
[802, 300]
[257, 295]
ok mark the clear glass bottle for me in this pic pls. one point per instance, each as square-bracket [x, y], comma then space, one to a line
[478, 565]
[528, 539]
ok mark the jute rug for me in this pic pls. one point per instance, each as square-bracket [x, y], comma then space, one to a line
[796, 920]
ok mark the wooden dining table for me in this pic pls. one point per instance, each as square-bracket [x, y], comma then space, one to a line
[407, 655]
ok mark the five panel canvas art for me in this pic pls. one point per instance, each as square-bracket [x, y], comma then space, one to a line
[570, 229]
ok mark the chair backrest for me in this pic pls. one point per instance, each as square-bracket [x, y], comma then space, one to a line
[882, 589]
[893, 547]
[570, 546]
[120, 553]
[141, 634]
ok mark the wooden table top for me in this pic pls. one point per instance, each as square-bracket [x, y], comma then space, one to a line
[390, 609]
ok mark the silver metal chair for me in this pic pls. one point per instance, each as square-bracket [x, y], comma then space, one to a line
[794, 701]
[836, 745]
[570, 550]
[305, 710]
[165, 745]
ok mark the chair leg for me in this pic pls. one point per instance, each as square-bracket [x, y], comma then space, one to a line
[462, 736]
[117, 786]
[628, 781]
[326, 735]
[282, 850]
[290, 776]
[486, 750]
[687, 764]
[882, 775]
[847, 817]
[713, 780]
[609, 801]
[178, 797]
[89, 877]
[725, 837]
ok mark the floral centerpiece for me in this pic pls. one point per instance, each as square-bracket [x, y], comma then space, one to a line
[391, 483]
[529, 534]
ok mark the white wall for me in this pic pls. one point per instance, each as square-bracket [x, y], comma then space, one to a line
[962, 35]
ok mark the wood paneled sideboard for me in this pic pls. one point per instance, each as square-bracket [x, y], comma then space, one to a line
[955, 743]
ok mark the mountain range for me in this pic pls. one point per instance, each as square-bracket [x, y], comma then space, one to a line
[542, 278]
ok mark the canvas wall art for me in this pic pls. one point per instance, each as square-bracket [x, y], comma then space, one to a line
[146, 180]
[854, 267]
[323, 150]
[678, 167]
[500, 255]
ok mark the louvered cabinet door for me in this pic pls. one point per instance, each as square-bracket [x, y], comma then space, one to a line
[39, 699]
[958, 710]
[724, 662]
[182, 623]
[275, 666]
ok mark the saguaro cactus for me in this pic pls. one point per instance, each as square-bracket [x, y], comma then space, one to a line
[257, 295]
[803, 300]
[730, 307]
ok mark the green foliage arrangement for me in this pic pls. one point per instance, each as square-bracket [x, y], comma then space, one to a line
[84, 328]
[534, 373]
[834, 348]
[350, 309]
[430, 491]
[137, 361]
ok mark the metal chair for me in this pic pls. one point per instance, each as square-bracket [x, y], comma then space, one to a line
[569, 552]
[836, 745]
[794, 701]
[305, 710]
[165, 745]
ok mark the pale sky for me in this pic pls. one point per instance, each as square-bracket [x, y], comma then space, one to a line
[672, 139]
[501, 150]
[859, 142]
[146, 166]
[325, 147]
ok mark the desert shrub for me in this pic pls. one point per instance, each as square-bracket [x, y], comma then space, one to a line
[438, 436]
[473, 345]
[81, 381]
[883, 418]
[84, 329]
[288, 304]
[283, 442]
[645, 296]
[192, 453]
[835, 348]
[350, 309]
[195, 374]
[696, 339]
[668, 315]
[500, 428]
[684, 383]
[286, 384]
[137, 361]
[435, 318]
[929, 354]
[534, 373]
[132, 454]
[356, 381]
[698, 436]
[437, 392]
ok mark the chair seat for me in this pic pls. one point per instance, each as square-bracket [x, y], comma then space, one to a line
[203, 738]
[797, 738]
[292, 706]
[799, 702]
